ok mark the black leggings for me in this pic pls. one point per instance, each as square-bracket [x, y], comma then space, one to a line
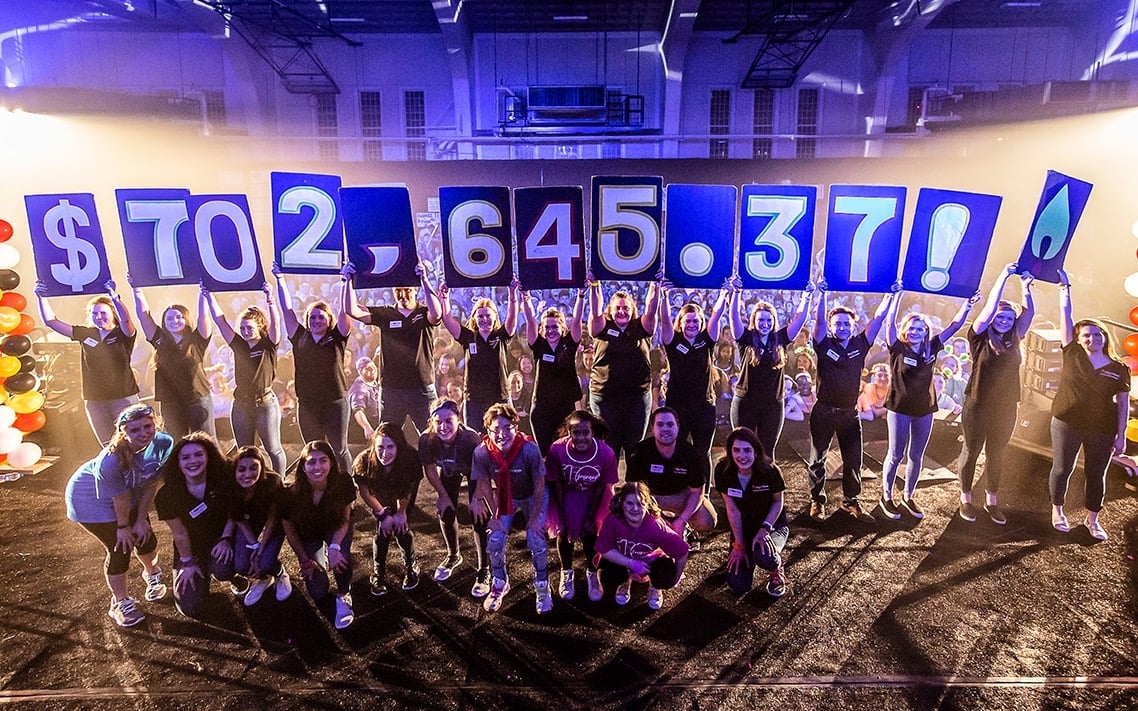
[565, 550]
[448, 521]
[117, 561]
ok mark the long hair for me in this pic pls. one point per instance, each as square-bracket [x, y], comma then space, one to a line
[1107, 344]
[770, 309]
[320, 306]
[258, 317]
[632, 488]
[216, 466]
[395, 434]
[119, 447]
[908, 320]
[180, 309]
[105, 301]
[600, 429]
[301, 485]
[746, 434]
[472, 321]
[678, 322]
[633, 312]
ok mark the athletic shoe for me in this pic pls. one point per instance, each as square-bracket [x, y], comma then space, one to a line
[1096, 529]
[257, 588]
[624, 592]
[776, 586]
[125, 613]
[854, 509]
[481, 586]
[817, 510]
[967, 511]
[596, 592]
[655, 598]
[283, 586]
[378, 587]
[239, 585]
[913, 508]
[889, 509]
[344, 614]
[543, 599]
[996, 514]
[565, 589]
[498, 590]
[411, 577]
[446, 568]
[155, 588]
[1059, 522]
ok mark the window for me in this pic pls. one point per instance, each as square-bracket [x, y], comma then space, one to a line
[371, 125]
[327, 127]
[415, 119]
[763, 122]
[719, 123]
[916, 105]
[215, 108]
[807, 123]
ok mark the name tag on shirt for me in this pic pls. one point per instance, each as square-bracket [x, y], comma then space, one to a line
[735, 493]
[547, 357]
[912, 362]
[198, 510]
[656, 468]
[613, 332]
[395, 324]
[473, 349]
[832, 354]
[90, 342]
[682, 349]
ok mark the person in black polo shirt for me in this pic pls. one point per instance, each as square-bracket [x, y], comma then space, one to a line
[841, 357]
[621, 377]
[689, 341]
[554, 342]
[406, 347]
[180, 384]
[318, 346]
[674, 472]
[484, 338]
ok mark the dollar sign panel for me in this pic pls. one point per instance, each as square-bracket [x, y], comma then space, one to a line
[67, 243]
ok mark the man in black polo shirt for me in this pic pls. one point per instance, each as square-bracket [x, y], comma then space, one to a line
[406, 347]
[841, 358]
[674, 471]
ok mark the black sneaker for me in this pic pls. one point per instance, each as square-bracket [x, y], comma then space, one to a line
[855, 510]
[996, 514]
[967, 511]
[889, 508]
[411, 577]
[378, 587]
[818, 510]
[914, 510]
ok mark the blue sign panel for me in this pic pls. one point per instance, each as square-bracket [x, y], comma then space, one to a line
[308, 227]
[551, 236]
[67, 243]
[1060, 208]
[380, 233]
[949, 241]
[699, 243]
[227, 253]
[477, 236]
[157, 233]
[776, 235]
[863, 237]
[628, 219]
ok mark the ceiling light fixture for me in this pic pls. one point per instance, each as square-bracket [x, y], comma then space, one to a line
[570, 18]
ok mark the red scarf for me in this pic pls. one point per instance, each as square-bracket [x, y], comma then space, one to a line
[503, 460]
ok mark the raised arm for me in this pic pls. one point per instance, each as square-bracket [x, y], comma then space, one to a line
[737, 323]
[284, 296]
[715, 318]
[667, 332]
[204, 324]
[958, 320]
[988, 310]
[1068, 324]
[348, 303]
[434, 306]
[452, 325]
[578, 315]
[1027, 312]
[274, 315]
[651, 307]
[887, 313]
[126, 323]
[142, 308]
[798, 320]
[511, 322]
[343, 322]
[596, 312]
[223, 326]
[47, 314]
[531, 318]
[820, 325]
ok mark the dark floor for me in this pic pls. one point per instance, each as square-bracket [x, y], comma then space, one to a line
[940, 614]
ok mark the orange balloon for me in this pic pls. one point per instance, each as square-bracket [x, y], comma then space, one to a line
[17, 300]
[1133, 315]
[27, 323]
[1130, 344]
[5, 230]
[30, 422]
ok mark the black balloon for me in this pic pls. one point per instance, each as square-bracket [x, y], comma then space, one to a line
[9, 279]
[15, 345]
[27, 363]
[21, 383]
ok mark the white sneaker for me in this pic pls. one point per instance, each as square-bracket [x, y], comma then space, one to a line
[565, 590]
[624, 592]
[125, 613]
[655, 598]
[596, 592]
[283, 587]
[257, 588]
[543, 598]
[155, 588]
[344, 614]
[498, 590]
[481, 587]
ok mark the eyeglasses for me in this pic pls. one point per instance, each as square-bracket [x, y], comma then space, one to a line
[501, 430]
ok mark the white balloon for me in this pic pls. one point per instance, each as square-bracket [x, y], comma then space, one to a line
[7, 416]
[25, 455]
[1131, 284]
[10, 438]
[9, 256]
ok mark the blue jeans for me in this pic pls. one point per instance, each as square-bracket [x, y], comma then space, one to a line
[905, 433]
[327, 421]
[104, 414]
[743, 580]
[263, 419]
[190, 592]
[397, 403]
[1097, 448]
[183, 417]
[538, 545]
[266, 560]
[626, 417]
[318, 585]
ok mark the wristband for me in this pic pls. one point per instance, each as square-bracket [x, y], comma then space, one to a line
[253, 546]
[187, 559]
[334, 546]
[737, 546]
[767, 525]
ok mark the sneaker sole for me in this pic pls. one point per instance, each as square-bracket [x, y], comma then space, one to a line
[915, 514]
[442, 574]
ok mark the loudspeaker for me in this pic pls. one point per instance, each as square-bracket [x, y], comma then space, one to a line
[1033, 429]
[1042, 362]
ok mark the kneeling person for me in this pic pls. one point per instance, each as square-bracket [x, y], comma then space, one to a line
[675, 473]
